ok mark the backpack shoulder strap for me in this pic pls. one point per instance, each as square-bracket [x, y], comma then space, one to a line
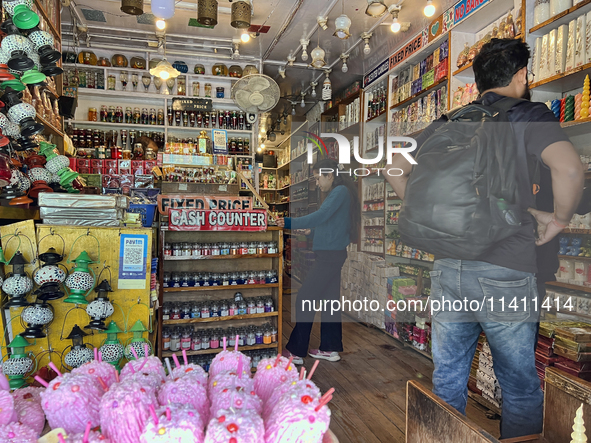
[507, 103]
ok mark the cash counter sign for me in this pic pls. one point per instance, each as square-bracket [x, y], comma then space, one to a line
[207, 220]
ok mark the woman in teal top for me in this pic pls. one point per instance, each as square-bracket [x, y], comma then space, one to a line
[335, 224]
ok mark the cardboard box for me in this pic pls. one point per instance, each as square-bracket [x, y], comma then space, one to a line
[83, 163]
[544, 71]
[124, 167]
[570, 46]
[551, 52]
[561, 41]
[580, 39]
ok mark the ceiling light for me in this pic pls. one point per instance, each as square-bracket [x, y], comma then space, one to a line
[282, 71]
[344, 58]
[241, 14]
[429, 9]
[245, 37]
[259, 150]
[293, 110]
[395, 27]
[318, 57]
[291, 59]
[322, 22]
[163, 9]
[160, 24]
[376, 8]
[262, 146]
[327, 86]
[304, 44]
[313, 86]
[342, 23]
[365, 37]
[303, 102]
[164, 70]
[207, 12]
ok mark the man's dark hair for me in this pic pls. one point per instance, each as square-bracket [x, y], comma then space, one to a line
[498, 61]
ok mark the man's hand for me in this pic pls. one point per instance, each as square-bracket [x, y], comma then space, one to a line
[305, 231]
[548, 228]
[280, 222]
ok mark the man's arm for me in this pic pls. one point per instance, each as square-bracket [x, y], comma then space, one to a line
[568, 179]
[398, 182]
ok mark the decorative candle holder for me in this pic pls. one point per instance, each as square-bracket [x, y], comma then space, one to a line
[137, 342]
[101, 308]
[80, 281]
[37, 316]
[112, 350]
[19, 284]
[18, 364]
[80, 353]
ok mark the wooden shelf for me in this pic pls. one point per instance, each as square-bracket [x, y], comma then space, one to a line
[569, 286]
[560, 19]
[123, 125]
[378, 200]
[220, 288]
[144, 96]
[574, 257]
[408, 258]
[377, 117]
[49, 126]
[220, 257]
[374, 227]
[419, 94]
[565, 81]
[576, 231]
[48, 21]
[466, 67]
[218, 319]
[218, 350]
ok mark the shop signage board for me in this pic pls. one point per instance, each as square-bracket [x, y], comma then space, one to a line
[222, 202]
[375, 74]
[133, 255]
[220, 141]
[464, 8]
[409, 49]
[435, 29]
[212, 220]
[191, 104]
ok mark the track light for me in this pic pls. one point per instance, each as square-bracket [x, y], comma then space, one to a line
[160, 24]
[365, 37]
[429, 9]
[245, 37]
[303, 102]
[291, 59]
[304, 44]
[282, 71]
[313, 86]
[322, 22]
[344, 58]
[293, 110]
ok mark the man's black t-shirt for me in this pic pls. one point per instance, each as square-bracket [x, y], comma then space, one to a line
[535, 128]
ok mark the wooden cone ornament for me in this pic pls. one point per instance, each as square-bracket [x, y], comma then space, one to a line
[578, 434]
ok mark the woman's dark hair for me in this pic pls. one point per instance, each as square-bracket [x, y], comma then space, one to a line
[498, 61]
[344, 180]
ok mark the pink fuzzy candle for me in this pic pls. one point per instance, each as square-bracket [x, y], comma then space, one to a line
[306, 386]
[272, 372]
[92, 437]
[240, 426]
[190, 370]
[17, 433]
[28, 393]
[228, 361]
[229, 380]
[174, 424]
[30, 413]
[71, 401]
[151, 365]
[7, 411]
[124, 411]
[95, 368]
[236, 398]
[185, 390]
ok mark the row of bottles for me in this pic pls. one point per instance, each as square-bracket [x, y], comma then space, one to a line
[377, 101]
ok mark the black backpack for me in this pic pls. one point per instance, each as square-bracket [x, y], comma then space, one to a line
[462, 197]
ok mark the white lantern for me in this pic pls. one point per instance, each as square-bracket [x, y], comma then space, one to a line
[318, 57]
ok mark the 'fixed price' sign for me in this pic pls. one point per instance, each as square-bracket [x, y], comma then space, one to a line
[191, 104]
[206, 220]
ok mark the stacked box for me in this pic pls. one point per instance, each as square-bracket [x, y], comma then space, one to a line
[580, 41]
[561, 42]
[486, 379]
[570, 46]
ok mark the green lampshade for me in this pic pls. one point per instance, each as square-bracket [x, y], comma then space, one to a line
[33, 76]
[24, 18]
[47, 150]
[18, 346]
[83, 260]
[112, 331]
[138, 327]
[67, 177]
[15, 84]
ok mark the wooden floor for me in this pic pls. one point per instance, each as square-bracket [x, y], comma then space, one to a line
[369, 403]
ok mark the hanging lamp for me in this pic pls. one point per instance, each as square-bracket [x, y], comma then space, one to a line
[376, 8]
[342, 23]
[137, 342]
[37, 316]
[318, 56]
[19, 284]
[112, 349]
[132, 7]
[79, 354]
[101, 308]
[80, 281]
[207, 12]
[163, 9]
[18, 363]
[241, 14]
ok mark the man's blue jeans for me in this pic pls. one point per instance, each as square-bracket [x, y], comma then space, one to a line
[503, 303]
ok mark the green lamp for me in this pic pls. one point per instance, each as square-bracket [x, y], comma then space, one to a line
[80, 281]
[112, 349]
[24, 18]
[137, 342]
[60, 165]
[33, 76]
[18, 363]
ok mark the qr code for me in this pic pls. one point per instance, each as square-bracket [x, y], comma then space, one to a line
[133, 256]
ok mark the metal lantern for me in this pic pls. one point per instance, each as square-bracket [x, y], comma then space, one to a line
[80, 282]
[132, 7]
[101, 308]
[241, 14]
[342, 23]
[376, 8]
[18, 363]
[318, 57]
[36, 316]
[137, 342]
[79, 354]
[207, 12]
[112, 349]
[50, 276]
[19, 284]
[58, 164]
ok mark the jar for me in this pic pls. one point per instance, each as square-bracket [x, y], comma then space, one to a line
[195, 311]
[196, 89]
[166, 311]
[206, 249]
[165, 340]
[225, 279]
[186, 311]
[166, 282]
[196, 250]
[224, 311]
[126, 154]
[274, 277]
[258, 337]
[261, 280]
[175, 313]
[206, 279]
[231, 340]
[260, 306]
[196, 342]
[181, 85]
[111, 82]
[238, 297]
[262, 248]
[267, 337]
[225, 249]
[215, 310]
[232, 309]
[187, 249]
[205, 311]
[234, 278]
[241, 339]
[186, 340]
[273, 248]
[215, 279]
[207, 90]
[242, 308]
[167, 249]
[250, 339]
[176, 250]
[92, 115]
[214, 342]
[269, 305]
[219, 92]
[251, 307]
[252, 248]
[176, 280]
[175, 341]
[215, 249]
[252, 278]
[205, 341]
[199, 279]
[274, 335]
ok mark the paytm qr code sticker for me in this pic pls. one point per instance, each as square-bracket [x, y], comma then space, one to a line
[133, 261]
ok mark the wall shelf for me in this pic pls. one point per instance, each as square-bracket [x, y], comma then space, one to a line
[220, 288]
[218, 350]
[218, 319]
[569, 286]
[220, 257]
[561, 19]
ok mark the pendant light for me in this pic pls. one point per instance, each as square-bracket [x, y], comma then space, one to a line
[132, 7]
[79, 354]
[429, 10]
[304, 44]
[344, 58]
[207, 12]
[313, 86]
[137, 343]
[318, 55]
[327, 86]
[164, 69]
[37, 316]
[112, 349]
[18, 363]
[101, 308]
[342, 23]
[365, 37]
[163, 9]
[375, 8]
[241, 14]
[18, 285]
[80, 281]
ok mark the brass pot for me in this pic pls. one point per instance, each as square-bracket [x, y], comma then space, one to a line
[207, 12]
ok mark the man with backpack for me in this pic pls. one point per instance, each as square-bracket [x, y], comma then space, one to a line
[469, 201]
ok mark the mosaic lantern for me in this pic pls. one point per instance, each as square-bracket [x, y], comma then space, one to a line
[18, 364]
[101, 307]
[112, 349]
[137, 342]
[79, 354]
[16, 46]
[43, 43]
[50, 276]
[58, 164]
[19, 284]
[37, 316]
[39, 178]
[24, 115]
[80, 282]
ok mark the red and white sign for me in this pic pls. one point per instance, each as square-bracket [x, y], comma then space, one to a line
[212, 220]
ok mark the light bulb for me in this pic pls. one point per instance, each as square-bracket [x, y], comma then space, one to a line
[395, 26]
[164, 75]
[262, 146]
[304, 55]
[160, 24]
[245, 37]
[263, 130]
[429, 9]
[303, 103]
[366, 49]
[259, 150]
[314, 93]
[345, 68]
[293, 111]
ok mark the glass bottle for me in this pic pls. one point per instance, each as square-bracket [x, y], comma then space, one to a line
[166, 311]
[269, 305]
[267, 337]
[196, 342]
[251, 307]
[260, 306]
[186, 339]
[165, 339]
[224, 310]
[175, 341]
